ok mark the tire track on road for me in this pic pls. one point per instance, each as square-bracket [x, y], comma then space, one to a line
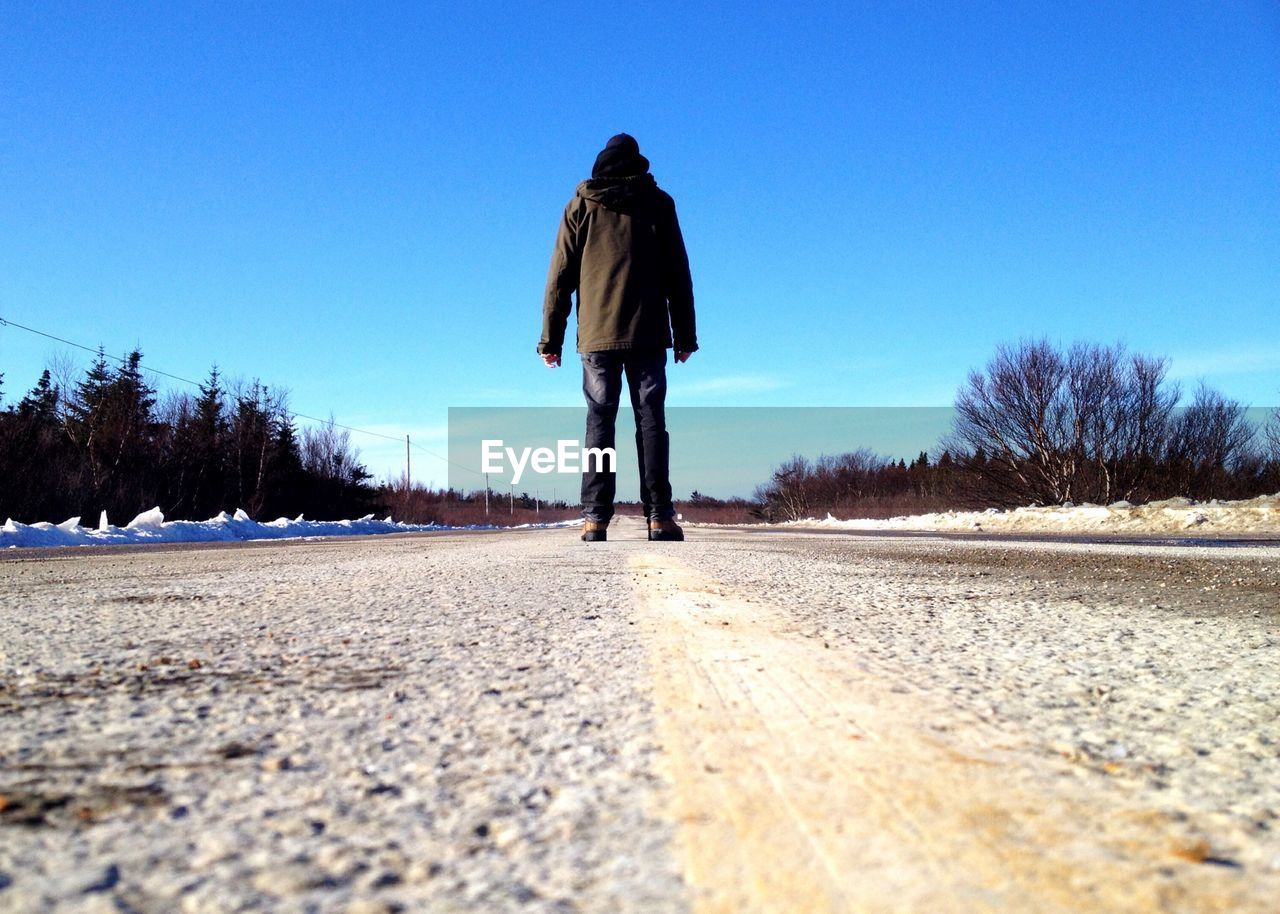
[801, 783]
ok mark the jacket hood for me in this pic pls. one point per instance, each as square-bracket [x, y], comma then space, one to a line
[618, 194]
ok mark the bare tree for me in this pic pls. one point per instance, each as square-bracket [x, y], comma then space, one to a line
[1017, 415]
[1120, 413]
[327, 453]
[1150, 406]
[64, 372]
[1211, 431]
[1097, 408]
[1272, 434]
[835, 483]
[1089, 424]
[1209, 442]
[786, 496]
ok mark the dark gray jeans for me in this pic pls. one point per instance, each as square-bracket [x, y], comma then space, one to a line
[646, 373]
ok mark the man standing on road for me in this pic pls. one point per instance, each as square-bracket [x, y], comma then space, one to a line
[620, 248]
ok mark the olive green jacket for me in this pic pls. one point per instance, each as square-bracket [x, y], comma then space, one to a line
[620, 248]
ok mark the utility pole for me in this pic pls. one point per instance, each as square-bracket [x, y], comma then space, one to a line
[407, 482]
[513, 498]
[537, 502]
[486, 494]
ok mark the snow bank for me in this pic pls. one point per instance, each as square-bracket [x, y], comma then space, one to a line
[1174, 515]
[151, 527]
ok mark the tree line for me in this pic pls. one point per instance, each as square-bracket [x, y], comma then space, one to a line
[1043, 425]
[1095, 423]
[859, 483]
[1039, 424]
[108, 442]
[419, 504]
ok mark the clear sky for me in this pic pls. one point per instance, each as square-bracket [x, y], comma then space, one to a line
[358, 201]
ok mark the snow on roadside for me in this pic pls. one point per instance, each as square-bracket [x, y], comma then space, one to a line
[1173, 515]
[151, 527]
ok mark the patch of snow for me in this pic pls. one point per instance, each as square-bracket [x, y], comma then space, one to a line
[151, 527]
[147, 520]
[1172, 515]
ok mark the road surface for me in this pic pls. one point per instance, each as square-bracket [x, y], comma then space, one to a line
[739, 723]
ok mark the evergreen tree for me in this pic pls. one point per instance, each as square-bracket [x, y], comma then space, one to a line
[288, 490]
[251, 440]
[112, 421]
[39, 466]
[200, 458]
[42, 402]
[90, 395]
[87, 414]
[7, 454]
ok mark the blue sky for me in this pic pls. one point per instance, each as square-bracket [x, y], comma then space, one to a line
[358, 201]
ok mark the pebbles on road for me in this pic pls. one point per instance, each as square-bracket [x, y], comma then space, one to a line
[470, 722]
[311, 726]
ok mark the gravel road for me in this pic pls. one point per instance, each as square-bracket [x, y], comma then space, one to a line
[742, 722]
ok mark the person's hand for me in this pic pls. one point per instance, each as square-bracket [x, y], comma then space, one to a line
[551, 361]
[683, 356]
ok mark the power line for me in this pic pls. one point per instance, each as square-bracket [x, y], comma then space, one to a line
[100, 351]
[349, 428]
[445, 459]
[49, 336]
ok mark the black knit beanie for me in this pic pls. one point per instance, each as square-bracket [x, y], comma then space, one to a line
[620, 158]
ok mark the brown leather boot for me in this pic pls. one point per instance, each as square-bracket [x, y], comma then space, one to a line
[665, 531]
[593, 531]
